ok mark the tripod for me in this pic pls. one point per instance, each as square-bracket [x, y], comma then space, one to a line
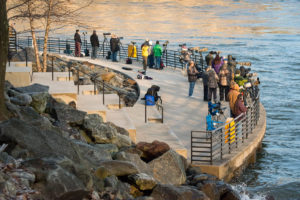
[103, 43]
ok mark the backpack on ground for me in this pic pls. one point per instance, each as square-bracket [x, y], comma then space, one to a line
[129, 61]
[162, 66]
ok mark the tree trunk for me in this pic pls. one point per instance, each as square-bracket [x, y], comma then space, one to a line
[3, 56]
[46, 36]
[36, 49]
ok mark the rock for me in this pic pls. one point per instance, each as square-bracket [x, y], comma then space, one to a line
[115, 167]
[111, 181]
[123, 140]
[39, 101]
[144, 198]
[135, 159]
[143, 181]
[135, 192]
[65, 113]
[166, 166]
[120, 130]
[6, 159]
[6, 97]
[12, 92]
[199, 178]
[24, 175]
[163, 192]
[152, 150]
[76, 194]
[91, 121]
[116, 81]
[107, 76]
[101, 133]
[193, 170]
[9, 186]
[110, 148]
[33, 88]
[47, 142]
[129, 98]
[210, 189]
[21, 100]
[226, 192]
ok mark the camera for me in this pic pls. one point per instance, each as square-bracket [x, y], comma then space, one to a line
[166, 43]
[121, 38]
[133, 42]
[106, 33]
[181, 45]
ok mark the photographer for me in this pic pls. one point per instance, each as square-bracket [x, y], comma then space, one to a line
[192, 77]
[77, 40]
[95, 44]
[114, 47]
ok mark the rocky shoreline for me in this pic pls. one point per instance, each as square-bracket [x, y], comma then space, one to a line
[57, 152]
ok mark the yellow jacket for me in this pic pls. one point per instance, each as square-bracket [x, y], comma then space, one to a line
[145, 50]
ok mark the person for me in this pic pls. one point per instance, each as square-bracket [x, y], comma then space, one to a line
[205, 83]
[77, 40]
[217, 63]
[239, 107]
[212, 84]
[114, 47]
[224, 81]
[209, 58]
[145, 53]
[157, 50]
[95, 44]
[185, 56]
[146, 42]
[232, 65]
[232, 96]
[192, 77]
[151, 55]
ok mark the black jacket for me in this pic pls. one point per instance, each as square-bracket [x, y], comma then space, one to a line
[192, 74]
[114, 44]
[94, 40]
[77, 37]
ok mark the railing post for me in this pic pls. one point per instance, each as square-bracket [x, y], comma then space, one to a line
[28, 41]
[211, 149]
[191, 147]
[59, 45]
[162, 115]
[145, 112]
[119, 101]
[103, 100]
[221, 145]
[103, 48]
[166, 57]
[26, 57]
[77, 81]
[174, 59]
[94, 87]
[52, 69]
[69, 73]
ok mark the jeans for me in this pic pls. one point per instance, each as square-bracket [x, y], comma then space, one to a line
[223, 92]
[212, 92]
[191, 90]
[205, 93]
[94, 52]
[151, 61]
[157, 63]
[114, 56]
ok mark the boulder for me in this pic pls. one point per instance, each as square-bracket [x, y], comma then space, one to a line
[165, 166]
[129, 98]
[21, 100]
[143, 181]
[193, 170]
[120, 130]
[115, 167]
[123, 140]
[107, 76]
[110, 148]
[152, 150]
[210, 189]
[67, 114]
[101, 133]
[91, 121]
[39, 101]
[163, 192]
[135, 159]
[33, 88]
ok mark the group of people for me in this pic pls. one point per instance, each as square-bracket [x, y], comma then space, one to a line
[219, 73]
[151, 54]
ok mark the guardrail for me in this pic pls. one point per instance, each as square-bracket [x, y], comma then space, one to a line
[212, 146]
[159, 107]
[92, 77]
[170, 58]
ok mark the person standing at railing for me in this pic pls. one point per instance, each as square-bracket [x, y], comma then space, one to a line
[232, 96]
[145, 53]
[157, 50]
[95, 44]
[239, 106]
[212, 84]
[205, 83]
[151, 55]
[225, 78]
[217, 63]
[77, 40]
[114, 47]
[209, 58]
[192, 77]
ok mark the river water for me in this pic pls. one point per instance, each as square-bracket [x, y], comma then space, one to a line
[265, 32]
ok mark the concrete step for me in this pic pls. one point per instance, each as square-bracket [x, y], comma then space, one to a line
[161, 132]
[121, 119]
[47, 76]
[18, 64]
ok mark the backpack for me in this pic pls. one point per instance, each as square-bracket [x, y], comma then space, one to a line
[129, 61]
[108, 55]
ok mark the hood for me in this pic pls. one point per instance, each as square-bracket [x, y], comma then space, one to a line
[236, 87]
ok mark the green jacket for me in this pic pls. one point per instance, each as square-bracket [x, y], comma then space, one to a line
[157, 50]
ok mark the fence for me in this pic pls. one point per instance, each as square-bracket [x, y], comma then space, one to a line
[57, 45]
[212, 146]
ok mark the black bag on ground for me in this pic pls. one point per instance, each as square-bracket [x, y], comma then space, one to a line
[87, 52]
[108, 55]
[153, 91]
[129, 61]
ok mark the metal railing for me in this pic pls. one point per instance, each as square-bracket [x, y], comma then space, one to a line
[212, 146]
[170, 58]
[97, 83]
[159, 107]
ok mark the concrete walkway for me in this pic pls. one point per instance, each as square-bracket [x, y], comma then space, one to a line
[181, 113]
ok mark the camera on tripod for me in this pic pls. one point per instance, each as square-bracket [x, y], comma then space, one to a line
[106, 34]
[166, 43]
[181, 45]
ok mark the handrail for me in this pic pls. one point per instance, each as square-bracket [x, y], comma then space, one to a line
[211, 146]
[159, 107]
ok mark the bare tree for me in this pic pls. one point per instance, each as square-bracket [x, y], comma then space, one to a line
[3, 56]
